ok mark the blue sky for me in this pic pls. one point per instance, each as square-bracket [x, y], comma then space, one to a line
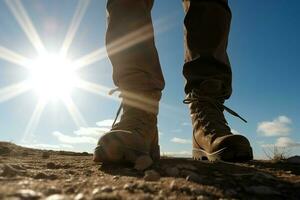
[263, 48]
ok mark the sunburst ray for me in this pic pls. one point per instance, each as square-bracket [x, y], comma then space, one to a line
[127, 41]
[77, 18]
[20, 13]
[13, 57]
[13, 91]
[74, 112]
[34, 121]
[97, 89]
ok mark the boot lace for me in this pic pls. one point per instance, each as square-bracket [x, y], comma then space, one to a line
[203, 114]
[134, 119]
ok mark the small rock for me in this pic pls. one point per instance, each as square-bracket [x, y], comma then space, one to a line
[230, 192]
[197, 191]
[52, 190]
[186, 166]
[294, 160]
[56, 197]
[79, 196]
[4, 150]
[51, 165]
[42, 175]
[172, 171]
[129, 187]
[262, 190]
[194, 178]
[186, 173]
[96, 191]
[27, 194]
[260, 176]
[106, 196]
[151, 175]
[45, 155]
[145, 187]
[143, 162]
[70, 190]
[115, 177]
[145, 197]
[106, 189]
[173, 185]
[10, 171]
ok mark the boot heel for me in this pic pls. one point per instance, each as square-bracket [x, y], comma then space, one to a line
[155, 153]
[199, 155]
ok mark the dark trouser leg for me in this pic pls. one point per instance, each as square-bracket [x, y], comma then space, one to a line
[207, 24]
[130, 46]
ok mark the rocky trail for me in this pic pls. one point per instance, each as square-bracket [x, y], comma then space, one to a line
[32, 174]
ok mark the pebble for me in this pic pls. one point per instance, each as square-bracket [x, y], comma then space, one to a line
[10, 171]
[262, 190]
[28, 194]
[106, 196]
[79, 196]
[173, 185]
[294, 159]
[143, 162]
[186, 166]
[115, 177]
[197, 191]
[56, 197]
[194, 178]
[4, 150]
[260, 176]
[129, 187]
[42, 175]
[186, 173]
[151, 175]
[70, 190]
[106, 189]
[145, 197]
[45, 155]
[172, 171]
[51, 165]
[52, 190]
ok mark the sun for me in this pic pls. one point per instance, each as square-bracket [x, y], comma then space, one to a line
[52, 77]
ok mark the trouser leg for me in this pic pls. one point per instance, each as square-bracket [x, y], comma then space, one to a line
[130, 46]
[206, 30]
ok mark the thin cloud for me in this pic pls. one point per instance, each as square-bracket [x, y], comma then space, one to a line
[286, 142]
[91, 131]
[48, 146]
[278, 127]
[186, 124]
[177, 154]
[105, 123]
[74, 139]
[181, 140]
[235, 132]
[283, 142]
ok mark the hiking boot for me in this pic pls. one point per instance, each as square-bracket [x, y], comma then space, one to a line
[212, 137]
[134, 138]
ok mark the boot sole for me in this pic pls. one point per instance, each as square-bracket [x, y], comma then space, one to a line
[225, 154]
[100, 154]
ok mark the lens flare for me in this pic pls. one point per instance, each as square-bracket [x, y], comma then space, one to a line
[52, 77]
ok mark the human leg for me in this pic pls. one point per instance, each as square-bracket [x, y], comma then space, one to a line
[208, 81]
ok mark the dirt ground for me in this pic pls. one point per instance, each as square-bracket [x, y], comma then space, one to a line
[57, 175]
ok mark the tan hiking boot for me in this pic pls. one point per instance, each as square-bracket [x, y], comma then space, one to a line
[212, 137]
[135, 137]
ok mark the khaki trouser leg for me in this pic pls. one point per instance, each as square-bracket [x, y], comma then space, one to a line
[130, 46]
[207, 24]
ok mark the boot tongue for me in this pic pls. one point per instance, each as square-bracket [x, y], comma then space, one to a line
[211, 88]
